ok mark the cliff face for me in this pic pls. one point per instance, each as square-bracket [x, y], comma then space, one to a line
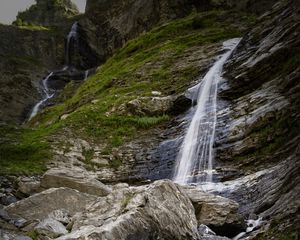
[110, 24]
[28, 51]
[26, 56]
[259, 128]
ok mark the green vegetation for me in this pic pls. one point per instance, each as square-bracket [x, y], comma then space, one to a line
[155, 61]
[22, 151]
[88, 154]
[126, 200]
[29, 26]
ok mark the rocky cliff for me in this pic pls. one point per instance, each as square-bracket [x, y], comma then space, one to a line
[26, 56]
[29, 50]
[48, 13]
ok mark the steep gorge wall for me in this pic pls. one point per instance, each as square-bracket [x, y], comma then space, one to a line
[26, 56]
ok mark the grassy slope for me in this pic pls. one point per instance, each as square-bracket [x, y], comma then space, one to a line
[145, 64]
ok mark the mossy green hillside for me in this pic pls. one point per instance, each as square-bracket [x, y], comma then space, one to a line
[145, 64]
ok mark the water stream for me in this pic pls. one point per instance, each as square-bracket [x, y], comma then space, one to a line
[194, 162]
[47, 94]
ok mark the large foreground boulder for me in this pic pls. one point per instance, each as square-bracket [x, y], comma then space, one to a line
[156, 211]
[39, 206]
[75, 179]
[219, 213]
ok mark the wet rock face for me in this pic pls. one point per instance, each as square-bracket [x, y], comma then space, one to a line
[262, 115]
[258, 127]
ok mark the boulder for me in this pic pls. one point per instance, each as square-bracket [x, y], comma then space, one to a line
[51, 228]
[61, 215]
[154, 106]
[219, 213]
[40, 205]
[29, 187]
[156, 211]
[77, 179]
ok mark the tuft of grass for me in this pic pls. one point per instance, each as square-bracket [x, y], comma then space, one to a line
[88, 154]
[127, 198]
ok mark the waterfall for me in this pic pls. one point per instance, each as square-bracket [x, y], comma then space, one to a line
[86, 74]
[194, 162]
[70, 38]
[47, 95]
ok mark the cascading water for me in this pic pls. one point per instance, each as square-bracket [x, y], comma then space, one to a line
[194, 162]
[47, 95]
[70, 38]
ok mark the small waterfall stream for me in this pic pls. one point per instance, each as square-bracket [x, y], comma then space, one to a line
[47, 94]
[194, 162]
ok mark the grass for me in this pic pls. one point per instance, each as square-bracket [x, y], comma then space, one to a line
[127, 198]
[22, 151]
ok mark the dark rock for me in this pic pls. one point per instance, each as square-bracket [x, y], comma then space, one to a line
[8, 199]
[180, 105]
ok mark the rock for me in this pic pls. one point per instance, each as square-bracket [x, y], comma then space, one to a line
[29, 187]
[8, 199]
[51, 228]
[61, 215]
[77, 179]
[7, 235]
[149, 106]
[156, 211]
[205, 230]
[180, 105]
[155, 106]
[49, 201]
[219, 213]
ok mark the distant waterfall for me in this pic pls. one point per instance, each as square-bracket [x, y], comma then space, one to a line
[47, 94]
[72, 36]
[194, 162]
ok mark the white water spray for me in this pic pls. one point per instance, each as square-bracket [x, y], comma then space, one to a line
[47, 95]
[195, 158]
